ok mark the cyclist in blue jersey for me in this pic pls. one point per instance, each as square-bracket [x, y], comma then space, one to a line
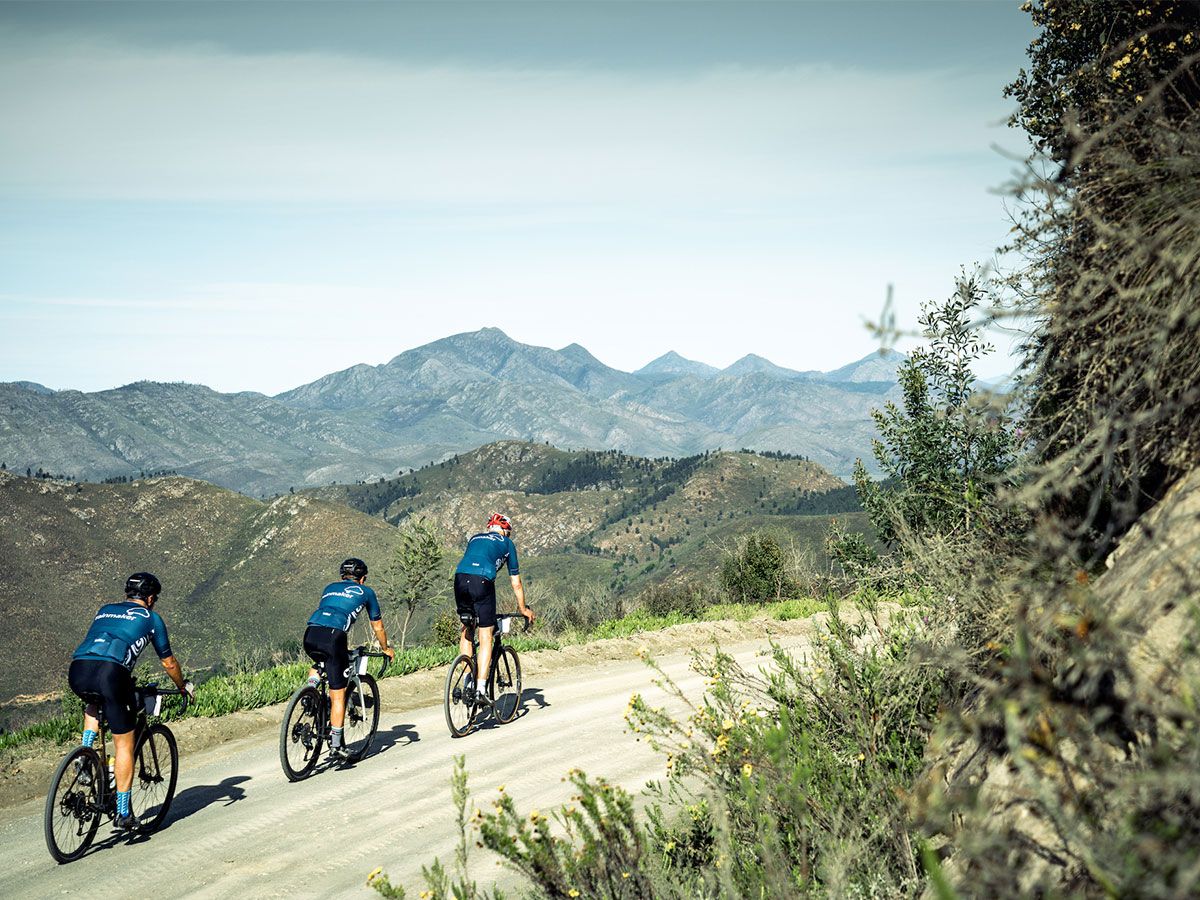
[475, 589]
[101, 674]
[325, 638]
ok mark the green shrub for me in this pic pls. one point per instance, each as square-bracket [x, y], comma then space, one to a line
[445, 629]
[756, 571]
[689, 599]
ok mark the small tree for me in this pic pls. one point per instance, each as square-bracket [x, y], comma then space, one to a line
[756, 572]
[414, 575]
[944, 452]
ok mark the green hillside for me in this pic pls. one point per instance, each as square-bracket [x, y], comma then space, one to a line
[625, 521]
[240, 576]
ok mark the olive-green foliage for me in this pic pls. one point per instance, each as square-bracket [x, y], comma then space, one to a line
[1096, 771]
[415, 575]
[686, 598]
[1112, 97]
[581, 609]
[802, 772]
[852, 553]
[756, 571]
[441, 884]
[445, 629]
[777, 786]
[946, 449]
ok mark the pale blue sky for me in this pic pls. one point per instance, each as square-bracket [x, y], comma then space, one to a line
[252, 195]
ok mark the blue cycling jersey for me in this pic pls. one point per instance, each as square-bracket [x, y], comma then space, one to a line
[121, 631]
[486, 553]
[341, 603]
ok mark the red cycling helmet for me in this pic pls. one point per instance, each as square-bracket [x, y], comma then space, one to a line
[502, 521]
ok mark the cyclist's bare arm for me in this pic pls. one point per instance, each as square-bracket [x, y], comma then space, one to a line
[519, 590]
[381, 635]
[171, 664]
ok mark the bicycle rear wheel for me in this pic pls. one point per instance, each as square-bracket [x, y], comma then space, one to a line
[362, 717]
[73, 804]
[506, 685]
[460, 700]
[155, 772]
[301, 733]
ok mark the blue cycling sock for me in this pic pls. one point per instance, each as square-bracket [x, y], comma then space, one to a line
[89, 737]
[123, 803]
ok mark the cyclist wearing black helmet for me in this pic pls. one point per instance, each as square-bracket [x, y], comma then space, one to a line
[325, 637]
[101, 670]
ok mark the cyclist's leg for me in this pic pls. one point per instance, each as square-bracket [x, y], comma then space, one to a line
[113, 683]
[485, 610]
[464, 602]
[315, 640]
[337, 669]
[78, 677]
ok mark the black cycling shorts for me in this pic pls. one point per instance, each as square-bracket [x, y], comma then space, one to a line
[476, 594]
[328, 645]
[108, 685]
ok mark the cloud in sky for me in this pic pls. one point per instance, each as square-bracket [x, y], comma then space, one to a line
[713, 209]
[105, 121]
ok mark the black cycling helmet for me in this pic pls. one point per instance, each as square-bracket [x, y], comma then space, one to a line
[142, 586]
[353, 568]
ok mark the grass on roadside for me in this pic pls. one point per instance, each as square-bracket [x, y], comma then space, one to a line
[224, 694]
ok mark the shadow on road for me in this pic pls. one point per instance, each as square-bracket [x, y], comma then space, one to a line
[533, 695]
[399, 734]
[197, 798]
[528, 695]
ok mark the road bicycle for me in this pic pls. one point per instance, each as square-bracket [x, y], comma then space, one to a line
[462, 701]
[306, 725]
[82, 791]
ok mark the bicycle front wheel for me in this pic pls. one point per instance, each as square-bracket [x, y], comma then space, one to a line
[506, 685]
[460, 696]
[73, 804]
[362, 717]
[301, 733]
[155, 772]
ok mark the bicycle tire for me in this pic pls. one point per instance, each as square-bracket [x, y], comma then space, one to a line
[302, 733]
[506, 685]
[460, 714]
[153, 786]
[362, 717]
[72, 806]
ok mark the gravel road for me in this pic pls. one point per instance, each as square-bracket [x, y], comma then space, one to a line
[239, 828]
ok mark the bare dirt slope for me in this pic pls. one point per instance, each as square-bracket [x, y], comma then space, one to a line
[237, 827]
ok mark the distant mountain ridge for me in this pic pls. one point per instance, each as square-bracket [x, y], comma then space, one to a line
[446, 397]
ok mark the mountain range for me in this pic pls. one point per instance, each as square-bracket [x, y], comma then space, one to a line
[439, 399]
[242, 575]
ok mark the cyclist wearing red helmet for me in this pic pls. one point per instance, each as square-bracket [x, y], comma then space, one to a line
[475, 587]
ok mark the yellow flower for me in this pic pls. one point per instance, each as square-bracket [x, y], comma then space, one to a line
[861, 757]
[727, 724]
[669, 846]
[572, 893]
[1137, 99]
[534, 815]
[1075, 26]
[375, 871]
[747, 770]
[624, 874]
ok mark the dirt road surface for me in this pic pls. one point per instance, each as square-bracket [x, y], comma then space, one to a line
[237, 827]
